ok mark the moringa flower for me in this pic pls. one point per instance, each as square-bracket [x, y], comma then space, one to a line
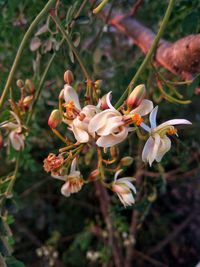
[122, 187]
[16, 136]
[158, 143]
[109, 126]
[112, 127]
[77, 118]
[73, 181]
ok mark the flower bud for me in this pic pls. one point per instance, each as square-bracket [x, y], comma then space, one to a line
[68, 77]
[55, 118]
[104, 104]
[20, 83]
[136, 97]
[28, 100]
[126, 161]
[98, 83]
[29, 86]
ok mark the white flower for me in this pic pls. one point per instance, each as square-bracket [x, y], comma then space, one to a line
[16, 137]
[122, 187]
[73, 181]
[77, 118]
[112, 127]
[80, 124]
[158, 143]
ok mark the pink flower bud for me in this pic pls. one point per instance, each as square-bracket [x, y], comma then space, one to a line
[68, 77]
[104, 104]
[136, 97]
[55, 118]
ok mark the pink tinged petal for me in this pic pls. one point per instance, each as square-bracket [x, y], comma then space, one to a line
[144, 108]
[17, 140]
[127, 183]
[153, 116]
[112, 139]
[80, 135]
[171, 123]
[164, 147]
[71, 95]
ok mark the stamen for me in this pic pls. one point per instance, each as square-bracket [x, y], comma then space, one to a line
[70, 106]
[136, 118]
[172, 131]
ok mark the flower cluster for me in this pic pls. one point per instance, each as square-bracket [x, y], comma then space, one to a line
[99, 124]
[14, 125]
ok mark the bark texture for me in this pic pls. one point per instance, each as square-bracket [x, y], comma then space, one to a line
[182, 57]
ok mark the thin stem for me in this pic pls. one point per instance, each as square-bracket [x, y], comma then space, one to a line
[43, 12]
[71, 45]
[149, 54]
[40, 86]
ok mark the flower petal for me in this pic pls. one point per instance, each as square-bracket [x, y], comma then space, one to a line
[112, 139]
[71, 95]
[144, 108]
[108, 98]
[147, 149]
[154, 152]
[171, 123]
[164, 147]
[73, 165]
[153, 116]
[81, 135]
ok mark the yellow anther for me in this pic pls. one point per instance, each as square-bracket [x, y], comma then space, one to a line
[136, 118]
[70, 106]
[172, 131]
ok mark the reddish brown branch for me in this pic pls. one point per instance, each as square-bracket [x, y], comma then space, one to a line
[181, 57]
[114, 243]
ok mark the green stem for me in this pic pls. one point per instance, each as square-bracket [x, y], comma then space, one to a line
[149, 54]
[43, 12]
[71, 45]
[40, 86]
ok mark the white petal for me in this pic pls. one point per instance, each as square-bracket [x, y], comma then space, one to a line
[112, 139]
[81, 135]
[154, 152]
[65, 189]
[126, 181]
[108, 98]
[71, 95]
[164, 147]
[112, 125]
[117, 174]
[153, 116]
[73, 165]
[100, 119]
[147, 149]
[144, 108]
[172, 122]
